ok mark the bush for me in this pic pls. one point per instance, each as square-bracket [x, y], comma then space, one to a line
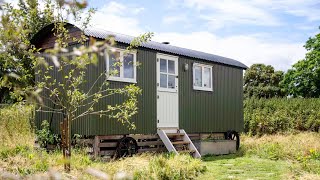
[269, 116]
[45, 136]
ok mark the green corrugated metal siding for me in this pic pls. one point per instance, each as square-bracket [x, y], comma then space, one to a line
[199, 111]
[217, 111]
[145, 119]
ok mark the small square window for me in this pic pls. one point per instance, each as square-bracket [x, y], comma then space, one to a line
[202, 77]
[121, 66]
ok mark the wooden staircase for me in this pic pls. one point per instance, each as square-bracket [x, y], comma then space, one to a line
[178, 141]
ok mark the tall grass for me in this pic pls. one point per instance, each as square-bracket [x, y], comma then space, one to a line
[16, 126]
[170, 166]
[18, 156]
[302, 149]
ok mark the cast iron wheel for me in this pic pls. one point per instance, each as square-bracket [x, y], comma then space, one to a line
[233, 135]
[127, 146]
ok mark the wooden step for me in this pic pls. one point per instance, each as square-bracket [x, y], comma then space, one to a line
[174, 134]
[180, 142]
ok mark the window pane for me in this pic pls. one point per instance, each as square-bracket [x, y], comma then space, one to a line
[128, 66]
[163, 80]
[197, 76]
[163, 65]
[114, 65]
[171, 81]
[171, 67]
[207, 77]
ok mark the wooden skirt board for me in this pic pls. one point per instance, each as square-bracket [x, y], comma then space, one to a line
[106, 145]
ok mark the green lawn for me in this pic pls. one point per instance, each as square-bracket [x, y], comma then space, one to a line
[233, 167]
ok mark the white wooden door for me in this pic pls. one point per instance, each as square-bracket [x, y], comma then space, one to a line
[167, 91]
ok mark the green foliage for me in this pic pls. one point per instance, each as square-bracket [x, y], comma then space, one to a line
[269, 116]
[45, 136]
[18, 25]
[171, 166]
[303, 80]
[262, 81]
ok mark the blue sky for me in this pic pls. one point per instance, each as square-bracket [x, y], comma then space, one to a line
[271, 32]
[251, 31]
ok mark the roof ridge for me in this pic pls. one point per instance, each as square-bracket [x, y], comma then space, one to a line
[123, 38]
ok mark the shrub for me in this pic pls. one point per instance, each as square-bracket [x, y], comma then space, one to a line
[269, 116]
[45, 136]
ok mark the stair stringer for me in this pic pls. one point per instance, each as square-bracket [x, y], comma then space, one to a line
[166, 141]
[191, 145]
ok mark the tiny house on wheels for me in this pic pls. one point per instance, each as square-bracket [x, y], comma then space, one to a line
[187, 96]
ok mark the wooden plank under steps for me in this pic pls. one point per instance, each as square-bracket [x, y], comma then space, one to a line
[174, 134]
[180, 142]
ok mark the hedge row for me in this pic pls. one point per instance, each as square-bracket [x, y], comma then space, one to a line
[269, 116]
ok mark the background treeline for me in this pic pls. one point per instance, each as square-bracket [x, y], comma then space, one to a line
[301, 80]
[277, 101]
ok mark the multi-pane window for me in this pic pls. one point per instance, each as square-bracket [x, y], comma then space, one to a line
[167, 74]
[121, 66]
[202, 77]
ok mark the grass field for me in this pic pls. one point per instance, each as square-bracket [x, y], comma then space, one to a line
[286, 156]
[290, 156]
[233, 167]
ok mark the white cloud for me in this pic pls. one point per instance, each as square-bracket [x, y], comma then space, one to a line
[219, 14]
[118, 18]
[174, 19]
[230, 12]
[247, 49]
[308, 9]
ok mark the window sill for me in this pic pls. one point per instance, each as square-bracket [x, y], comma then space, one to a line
[128, 80]
[202, 89]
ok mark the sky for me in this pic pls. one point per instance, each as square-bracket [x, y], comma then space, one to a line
[252, 31]
[272, 32]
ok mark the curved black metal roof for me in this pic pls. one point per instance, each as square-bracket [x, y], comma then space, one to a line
[102, 34]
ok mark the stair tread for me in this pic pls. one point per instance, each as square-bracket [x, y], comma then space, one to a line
[175, 134]
[180, 142]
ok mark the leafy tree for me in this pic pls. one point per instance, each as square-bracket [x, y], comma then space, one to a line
[262, 81]
[67, 94]
[303, 79]
[17, 26]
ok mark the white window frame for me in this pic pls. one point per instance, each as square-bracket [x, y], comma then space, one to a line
[202, 88]
[121, 78]
[171, 58]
